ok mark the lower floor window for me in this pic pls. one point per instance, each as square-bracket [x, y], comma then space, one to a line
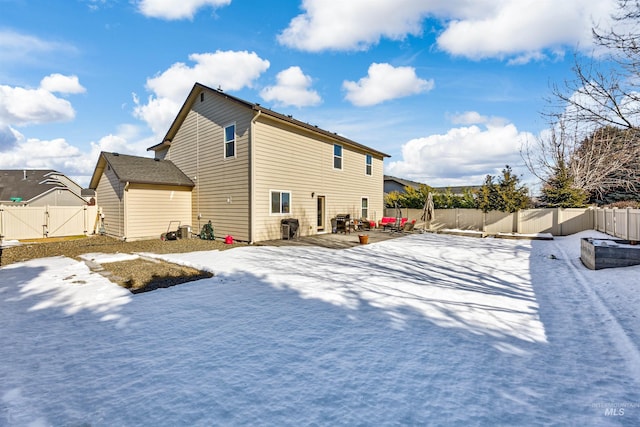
[365, 207]
[280, 202]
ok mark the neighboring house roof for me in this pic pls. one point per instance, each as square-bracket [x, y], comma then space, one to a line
[402, 182]
[139, 170]
[414, 184]
[24, 185]
[257, 108]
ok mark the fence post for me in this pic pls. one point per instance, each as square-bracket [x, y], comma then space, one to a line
[86, 222]
[484, 222]
[628, 227]
[45, 226]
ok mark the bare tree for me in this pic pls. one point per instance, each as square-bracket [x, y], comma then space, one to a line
[607, 161]
[601, 162]
[612, 97]
[595, 117]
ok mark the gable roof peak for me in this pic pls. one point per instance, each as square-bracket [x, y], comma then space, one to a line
[198, 88]
[139, 170]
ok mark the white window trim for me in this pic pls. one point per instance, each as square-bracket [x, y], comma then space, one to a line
[366, 165]
[224, 141]
[290, 203]
[333, 157]
[368, 206]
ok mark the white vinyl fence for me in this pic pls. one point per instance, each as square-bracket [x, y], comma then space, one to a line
[622, 223]
[26, 222]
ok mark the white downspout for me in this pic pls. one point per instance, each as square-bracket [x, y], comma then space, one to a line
[197, 177]
[252, 180]
[124, 208]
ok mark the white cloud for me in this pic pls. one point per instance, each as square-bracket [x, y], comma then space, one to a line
[158, 113]
[176, 9]
[524, 28]
[34, 153]
[468, 118]
[385, 82]
[16, 48]
[517, 30]
[353, 24]
[462, 156]
[292, 88]
[62, 84]
[23, 106]
[229, 70]
[20, 106]
[58, 154]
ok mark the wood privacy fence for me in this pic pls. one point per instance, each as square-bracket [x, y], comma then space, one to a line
[623, 223]
[27, 222]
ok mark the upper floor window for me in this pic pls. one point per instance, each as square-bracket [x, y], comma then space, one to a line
[280, 202]
[337, 156]
[368, 164]
[230, 141]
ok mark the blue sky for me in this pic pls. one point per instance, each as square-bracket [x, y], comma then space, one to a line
[450, 89]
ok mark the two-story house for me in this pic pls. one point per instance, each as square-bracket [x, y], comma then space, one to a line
[253, 167]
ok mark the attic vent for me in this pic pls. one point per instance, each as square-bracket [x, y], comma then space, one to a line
[201, 96]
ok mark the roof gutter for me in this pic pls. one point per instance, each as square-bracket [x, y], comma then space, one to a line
[316, 130]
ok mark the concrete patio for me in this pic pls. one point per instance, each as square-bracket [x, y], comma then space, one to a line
[338, 240]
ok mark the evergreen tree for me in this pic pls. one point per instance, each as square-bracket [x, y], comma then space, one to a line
[506, 195]
[560, 191]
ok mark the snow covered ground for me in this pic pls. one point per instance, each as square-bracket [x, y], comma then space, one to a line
[421, 330]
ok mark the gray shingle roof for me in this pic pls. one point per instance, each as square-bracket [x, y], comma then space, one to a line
[144, 170]
[26, 184]
[458, 189]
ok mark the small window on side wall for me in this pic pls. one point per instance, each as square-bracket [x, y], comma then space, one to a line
[368, 164]
[280, 202]
[230, 141]
[337, 156]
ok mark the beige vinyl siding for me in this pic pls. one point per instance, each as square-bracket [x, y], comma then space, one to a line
[151, 208]
[295, 160]
[222, 184]
[109, 193]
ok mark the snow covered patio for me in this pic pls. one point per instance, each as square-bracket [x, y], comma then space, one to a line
[422, 330]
